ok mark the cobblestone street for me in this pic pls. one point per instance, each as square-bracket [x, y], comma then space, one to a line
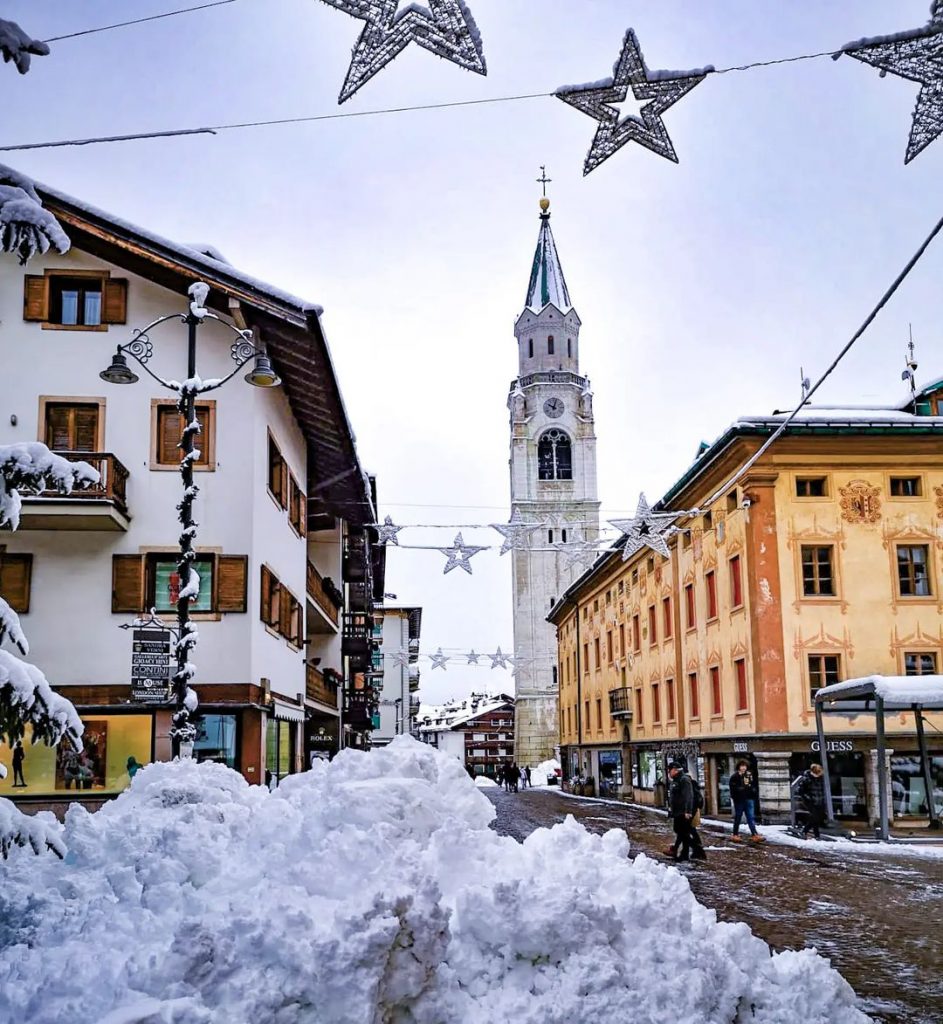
[880, 920]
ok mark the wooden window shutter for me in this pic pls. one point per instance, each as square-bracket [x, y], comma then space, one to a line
[115, 300]
[86, 428]
[16, 572]
[35, 297]
[58, 432]
[303, 521]
[284, 612]
[127, 583]
[232, 583]
[265, 602]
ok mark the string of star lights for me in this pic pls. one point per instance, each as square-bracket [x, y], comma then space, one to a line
[465, 657]
[447, 29]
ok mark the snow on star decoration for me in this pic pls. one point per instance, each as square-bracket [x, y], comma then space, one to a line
[516, 533]
[659, 90]
[645, 529]
[443, 27]
[459, 555]
[917, 56]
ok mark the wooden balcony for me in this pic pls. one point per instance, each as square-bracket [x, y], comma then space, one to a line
[620, 703]
[326, 599]
[321, 686]
[99, 507]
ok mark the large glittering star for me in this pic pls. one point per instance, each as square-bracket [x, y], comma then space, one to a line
[473, 657]
[918, 57]
[400, 659]
[599, 100]
[459, 555]
[443, 27]
[645, 529]
[516, 533]
[498, 660]
[439, 660]
[387, 531]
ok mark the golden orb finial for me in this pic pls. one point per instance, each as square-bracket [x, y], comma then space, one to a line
[545, 204]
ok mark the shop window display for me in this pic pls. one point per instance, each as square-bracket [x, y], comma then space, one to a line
[114, 747]
[610, 772]
[909, 789]
[846, 775]
[216, 740]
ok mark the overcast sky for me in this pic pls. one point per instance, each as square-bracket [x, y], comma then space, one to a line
[702, 287]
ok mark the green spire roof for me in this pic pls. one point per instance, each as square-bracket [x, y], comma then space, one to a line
[547, 284]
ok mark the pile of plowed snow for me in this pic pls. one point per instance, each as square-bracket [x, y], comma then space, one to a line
[366, 891]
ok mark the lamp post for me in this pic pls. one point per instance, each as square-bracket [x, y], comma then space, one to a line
[183, 732]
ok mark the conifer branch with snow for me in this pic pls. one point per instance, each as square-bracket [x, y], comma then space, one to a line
[18, 47]
[26, 227]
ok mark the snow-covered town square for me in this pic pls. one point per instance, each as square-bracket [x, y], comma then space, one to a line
[471, 512]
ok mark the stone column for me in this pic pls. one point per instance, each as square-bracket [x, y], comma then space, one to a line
[772, 769]
[874, 806]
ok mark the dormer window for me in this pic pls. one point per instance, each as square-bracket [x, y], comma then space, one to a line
[550, 345]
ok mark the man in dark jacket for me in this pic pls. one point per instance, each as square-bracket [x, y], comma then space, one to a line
[743, 796]
[682, 808]
[811, 791]
[513, 777]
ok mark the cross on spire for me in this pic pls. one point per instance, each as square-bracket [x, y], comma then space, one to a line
[543, 179]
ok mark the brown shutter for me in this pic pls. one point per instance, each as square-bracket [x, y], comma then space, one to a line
[169, 430]
[115, 301]
[127, 583]
[202, 442]
[86, 428]
[268, 595]
[35, 297]
[16, 572]
[303, 523]
[232, 583]
[58, 427]
[284, 611]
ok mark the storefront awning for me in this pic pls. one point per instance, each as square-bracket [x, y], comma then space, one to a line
[288, 712]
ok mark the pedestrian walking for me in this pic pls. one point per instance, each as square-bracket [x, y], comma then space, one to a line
[19, 756]
[514, 777]
[527, 783]
[684, 801]
[743, 795]
[811, 791]
[501, 776]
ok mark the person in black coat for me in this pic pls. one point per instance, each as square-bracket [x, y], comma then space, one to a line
[682, 808]
[19, 756]
[811, 791]
[743, 795]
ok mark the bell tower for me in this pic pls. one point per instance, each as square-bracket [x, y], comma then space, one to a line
[553, 486]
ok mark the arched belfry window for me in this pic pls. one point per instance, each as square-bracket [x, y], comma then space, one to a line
[550, 345]
[554, 456]
[530, 348]
[569, 348]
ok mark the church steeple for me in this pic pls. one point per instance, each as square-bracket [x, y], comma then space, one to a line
[547, 283]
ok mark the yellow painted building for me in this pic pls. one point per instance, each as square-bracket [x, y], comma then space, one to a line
[823, 563]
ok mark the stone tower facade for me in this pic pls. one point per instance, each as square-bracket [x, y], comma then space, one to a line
[553, 484]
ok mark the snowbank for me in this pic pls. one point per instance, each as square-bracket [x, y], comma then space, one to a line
[366, 891]
[545, 769]
[483, 782]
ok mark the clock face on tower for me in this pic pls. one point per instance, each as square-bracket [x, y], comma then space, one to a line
[554, 407]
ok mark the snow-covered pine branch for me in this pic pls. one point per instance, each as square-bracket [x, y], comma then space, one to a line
[34, 468]
[18, 47]
[26, 228]
[10, 627]
[26, 698]
[19, 829]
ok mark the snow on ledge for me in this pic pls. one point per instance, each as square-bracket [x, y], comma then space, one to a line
[894, 690]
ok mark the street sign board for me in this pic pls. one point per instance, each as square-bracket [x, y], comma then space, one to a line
[150, 665]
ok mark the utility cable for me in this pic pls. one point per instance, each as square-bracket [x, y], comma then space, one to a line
[137, 21]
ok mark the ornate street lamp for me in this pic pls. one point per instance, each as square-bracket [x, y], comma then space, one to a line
[183, 732]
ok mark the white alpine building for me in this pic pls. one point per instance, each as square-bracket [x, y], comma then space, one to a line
[553, 485]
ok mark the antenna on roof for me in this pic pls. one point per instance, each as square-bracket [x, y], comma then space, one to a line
[805, 383]
[910, 369]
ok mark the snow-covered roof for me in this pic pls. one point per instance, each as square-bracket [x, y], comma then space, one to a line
[455, 713]
[841, 415]
[896, 691]
[547, 285]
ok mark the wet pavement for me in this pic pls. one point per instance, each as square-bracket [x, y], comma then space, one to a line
[879, 919]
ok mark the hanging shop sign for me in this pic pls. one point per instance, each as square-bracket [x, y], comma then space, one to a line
[150, 665]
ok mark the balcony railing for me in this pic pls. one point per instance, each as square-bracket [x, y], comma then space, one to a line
[321, 686]
[324, 594]
[356, 640]
[620, 703]
[111, 487]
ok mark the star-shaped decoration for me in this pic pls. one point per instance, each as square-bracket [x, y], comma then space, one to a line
[473, 657]
[459, 555]
[400, 659]
[498, 660]
[918, 57]
[645, 529]
[581, 553]
[516, 533]
[443, 27]
[661, 90]
[387, 531]
[521, 664]
[439, 660]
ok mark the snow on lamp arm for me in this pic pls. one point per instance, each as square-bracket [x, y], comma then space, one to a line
[183, 731]
[916, 55]
[661, 90]
[443, 27]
